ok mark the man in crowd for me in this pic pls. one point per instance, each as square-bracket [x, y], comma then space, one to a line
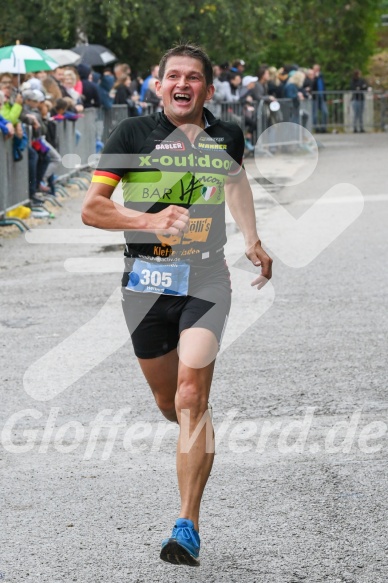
[58, 75]
[358, 85]
[238, 67]
[319, 101]
[153, 75]
[176, 286]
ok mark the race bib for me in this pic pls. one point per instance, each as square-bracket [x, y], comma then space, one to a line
[159, 278]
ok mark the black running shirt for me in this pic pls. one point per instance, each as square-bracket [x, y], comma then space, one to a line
[159, 166]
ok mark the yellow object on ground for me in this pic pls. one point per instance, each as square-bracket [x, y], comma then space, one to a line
[20, 212]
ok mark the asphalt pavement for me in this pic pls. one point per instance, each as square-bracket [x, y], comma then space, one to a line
[298, 490]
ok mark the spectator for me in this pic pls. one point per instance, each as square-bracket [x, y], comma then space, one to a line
[292, 90]
[59, 109]
[69, 82]
[121, 69]
[232, 88]
[37, 151]
[90, 95]
[41, 75]
[6, 126]
[124, 96]
[248, 85]
[58, 76]
[309, 83]
[7, 80]
[238, 67]
[219, 95]
[260, 89]
[51, 88]
[153, 75]
[151, 97]
[51, 141]
[319, 101]
[275, 85]
[249, 112]
[11, 111]
[358, 85]
[105, 87]
[225, 72]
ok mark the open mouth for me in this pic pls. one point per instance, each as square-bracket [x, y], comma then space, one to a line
[182, 97]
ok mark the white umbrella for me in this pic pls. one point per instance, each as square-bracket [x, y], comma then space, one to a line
[64, 56]
[24, 59]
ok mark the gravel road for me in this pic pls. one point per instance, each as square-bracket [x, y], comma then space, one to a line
[298, 490]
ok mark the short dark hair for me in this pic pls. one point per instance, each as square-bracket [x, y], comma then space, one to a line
[61, 104]
[188, 50]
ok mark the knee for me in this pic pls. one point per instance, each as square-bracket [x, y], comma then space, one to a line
[166, 407]
[190, 396]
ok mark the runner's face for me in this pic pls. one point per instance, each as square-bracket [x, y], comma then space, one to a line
[184, 90]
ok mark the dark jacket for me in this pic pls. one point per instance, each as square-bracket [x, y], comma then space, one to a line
[90, 94]
[358, 86]
[316, 84]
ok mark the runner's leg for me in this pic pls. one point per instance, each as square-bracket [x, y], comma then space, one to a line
[194, 458]
[162, 376]
[171, 379]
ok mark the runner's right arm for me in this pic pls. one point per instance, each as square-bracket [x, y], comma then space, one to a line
[100, 211]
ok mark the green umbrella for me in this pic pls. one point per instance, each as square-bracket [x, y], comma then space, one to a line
[24, 59]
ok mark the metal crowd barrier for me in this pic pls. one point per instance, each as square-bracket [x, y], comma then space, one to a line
[66, 141]
[85, 135]
[330, 111]
[110, 118]
[80, 137]
[284, 129]
[333, 111]
[13, 182]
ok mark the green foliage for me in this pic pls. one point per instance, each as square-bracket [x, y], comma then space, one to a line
[339, 34]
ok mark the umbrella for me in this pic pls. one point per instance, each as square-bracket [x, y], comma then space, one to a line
[94, 55]
[24, 59]
[64, 56]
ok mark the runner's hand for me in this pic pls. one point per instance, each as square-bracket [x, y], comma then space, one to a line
[258, 256]
[173, 220]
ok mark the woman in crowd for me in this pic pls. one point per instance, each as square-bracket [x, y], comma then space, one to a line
[69, 81]
[124, 95]
[293, 90]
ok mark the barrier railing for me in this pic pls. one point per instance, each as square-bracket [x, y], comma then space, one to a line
[80, 137]
[109, 118]
[335, 111]
[13, 182]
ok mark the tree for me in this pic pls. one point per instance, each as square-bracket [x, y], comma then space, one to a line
[339, 34]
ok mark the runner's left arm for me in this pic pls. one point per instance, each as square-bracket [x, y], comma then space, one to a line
[240, 202]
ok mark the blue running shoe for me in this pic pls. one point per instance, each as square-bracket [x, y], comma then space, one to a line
[182, 548]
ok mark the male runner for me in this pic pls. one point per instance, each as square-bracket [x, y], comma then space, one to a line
[176, 286]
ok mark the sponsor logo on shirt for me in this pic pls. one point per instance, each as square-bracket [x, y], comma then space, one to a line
[198, 233]
[170, 146]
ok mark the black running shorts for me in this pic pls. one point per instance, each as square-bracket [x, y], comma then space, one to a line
[155, 321]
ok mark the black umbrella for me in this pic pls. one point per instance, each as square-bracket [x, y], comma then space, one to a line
[94, 55]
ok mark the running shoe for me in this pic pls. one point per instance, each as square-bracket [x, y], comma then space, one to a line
[182, 548]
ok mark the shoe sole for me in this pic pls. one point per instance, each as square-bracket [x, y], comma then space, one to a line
[174, 553]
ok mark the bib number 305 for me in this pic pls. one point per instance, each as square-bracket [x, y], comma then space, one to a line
[171, 279]
[156, 278]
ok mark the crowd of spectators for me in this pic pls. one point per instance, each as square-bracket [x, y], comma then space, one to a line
[41, 100]
[235, 85]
